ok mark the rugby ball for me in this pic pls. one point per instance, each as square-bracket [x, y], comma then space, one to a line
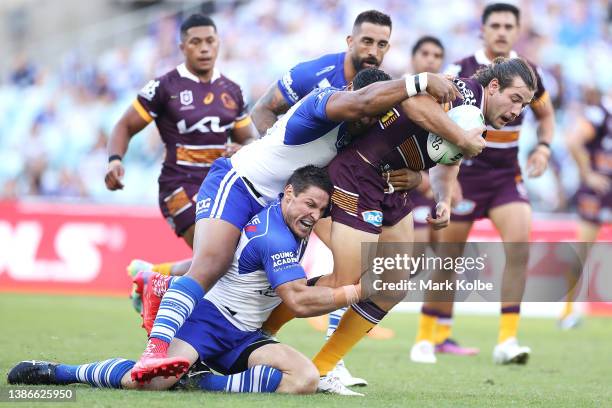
[441, 150]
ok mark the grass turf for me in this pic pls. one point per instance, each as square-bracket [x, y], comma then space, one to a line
[567, 369]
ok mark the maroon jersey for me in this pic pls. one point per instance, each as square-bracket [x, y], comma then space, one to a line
[600, 147]
[396, 142]
[502, 144]
[194, 120]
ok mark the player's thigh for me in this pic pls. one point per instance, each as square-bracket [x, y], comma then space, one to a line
[299, 373]
[513, 221]
[421, 234]
[347, 246]
[188, 235]
[323, 230]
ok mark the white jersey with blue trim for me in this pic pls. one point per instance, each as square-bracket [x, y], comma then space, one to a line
[268, 255]
[303, 136]
[324, 72]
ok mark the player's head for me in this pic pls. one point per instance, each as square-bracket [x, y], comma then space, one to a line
[306, 198]
[364, 78]
[427, 55]
[199, 43]
[509, 85]
[369, 41]
[500, 28]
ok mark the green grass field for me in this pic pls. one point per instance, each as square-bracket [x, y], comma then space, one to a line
[567, 369]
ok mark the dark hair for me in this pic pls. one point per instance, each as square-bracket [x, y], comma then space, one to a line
[374, 17]
[501, 7]
[308, 176]
[505, 70]
[424, 40]
[196, 20]
[368, 76]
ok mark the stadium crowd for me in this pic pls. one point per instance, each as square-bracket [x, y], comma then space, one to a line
[53, 139]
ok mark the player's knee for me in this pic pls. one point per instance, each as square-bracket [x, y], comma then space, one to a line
[302, 381]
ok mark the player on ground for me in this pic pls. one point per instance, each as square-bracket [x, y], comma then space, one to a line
[364, 213]
[237, 188]
[491, 187]
[224, 330]
[428, 56]
[196, 109]
[590, 144]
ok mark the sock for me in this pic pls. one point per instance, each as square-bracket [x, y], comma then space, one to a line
[334, 319]
[277, 319]
[107, 373]
[354, 325]
[508, 324]
[259, 378]
[443, 328]
[427, 324]
[567, 309]
[163, 268]
[176, 306]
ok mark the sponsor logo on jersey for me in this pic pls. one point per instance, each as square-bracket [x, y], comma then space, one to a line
[148, 91]
[209, 98]
[325, 70]
[373, 217]
[204, 125]
[468, 95]
[464, 207]
[228, 101]
[286, 82]
[186, 97]
[388, 118]
[202, 205]
[251, 228]
[280, 259]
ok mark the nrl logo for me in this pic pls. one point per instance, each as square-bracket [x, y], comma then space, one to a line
[186, 97]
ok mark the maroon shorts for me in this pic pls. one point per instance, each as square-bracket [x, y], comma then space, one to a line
[594, 207]
[422, 208]
[177, 204]
[485, 188]
[359, 199]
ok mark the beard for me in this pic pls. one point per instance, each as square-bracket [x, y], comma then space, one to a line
[358, 63]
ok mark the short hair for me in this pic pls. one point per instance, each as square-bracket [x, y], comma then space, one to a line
[196, 20]
[501, 7]
[374, 17]
[424, 40]
[505, 70]
[310, 176]
[368, 76]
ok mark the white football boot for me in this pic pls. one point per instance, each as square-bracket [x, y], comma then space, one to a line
[510, 352]
[332, 385]
[423, 352]
[345, 376]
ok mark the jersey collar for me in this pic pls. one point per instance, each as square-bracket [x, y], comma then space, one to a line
[185, 73]
[482, 58]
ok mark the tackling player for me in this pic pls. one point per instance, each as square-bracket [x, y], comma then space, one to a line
[363, 212]
[224, 330]
[491, 187]
[196, 109]
[590, 144]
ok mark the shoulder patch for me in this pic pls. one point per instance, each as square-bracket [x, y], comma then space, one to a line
[148, 91]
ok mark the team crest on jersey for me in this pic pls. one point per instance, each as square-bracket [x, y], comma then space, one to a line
[228, 101]
[388, 118]
[186, 97]
[373, 217]
[209, 98]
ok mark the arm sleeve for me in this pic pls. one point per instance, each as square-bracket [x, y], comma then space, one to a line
[280, 260]
[298, 82]
[149, 102]
[318, 101]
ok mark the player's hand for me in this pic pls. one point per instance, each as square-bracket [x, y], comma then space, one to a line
[597, 182]
[114, 175]
[456, 194]
[442, 216]
[230, 149]
[538, 161]
[403, 179]
[441, 88]
[473, 143]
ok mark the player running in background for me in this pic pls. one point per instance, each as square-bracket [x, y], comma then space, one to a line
[196, 109]
[364, 212]
[428, 56]
[590, 143]
[235, 189]
[225, 329]
[491, 187]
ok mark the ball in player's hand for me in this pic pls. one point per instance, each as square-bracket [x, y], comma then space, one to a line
[441, 150]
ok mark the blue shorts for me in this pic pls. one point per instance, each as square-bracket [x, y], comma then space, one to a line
[224, 195]
[221, 345]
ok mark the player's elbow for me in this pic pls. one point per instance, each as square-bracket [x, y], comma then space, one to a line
[298, 309]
